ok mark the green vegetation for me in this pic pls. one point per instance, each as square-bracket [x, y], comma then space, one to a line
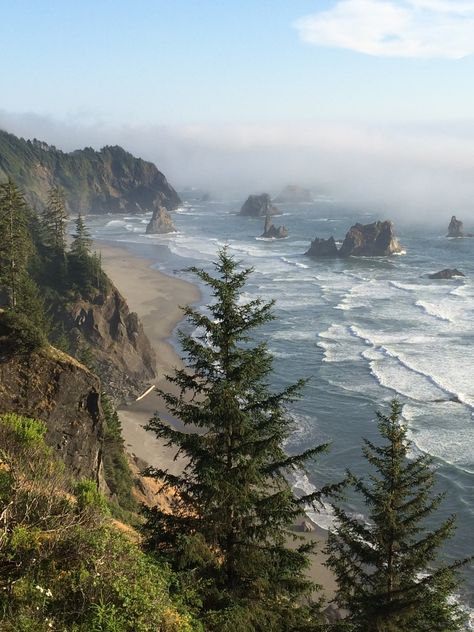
[63, 567]
[228, 535]
[386, 570]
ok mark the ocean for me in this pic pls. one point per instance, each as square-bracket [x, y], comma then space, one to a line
[363, 330]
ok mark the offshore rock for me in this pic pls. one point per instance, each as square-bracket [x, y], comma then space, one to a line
[160, 223]
[370, 240]
[362, 240]
[323, 248]
[447, 273]
[293, 194]
[51, 386]
[270, 231]
[455, 228]
[259, 206]
[107, 181]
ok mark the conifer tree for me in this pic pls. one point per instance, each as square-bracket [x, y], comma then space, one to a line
[15, 242]
[82, 241]
[54, 222]
[387, 571]
[234, 506]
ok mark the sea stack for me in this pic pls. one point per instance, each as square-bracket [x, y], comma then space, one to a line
[160, 222]
[455, 228]
[294, 194]
[272, 232]
[362, 240]
[259, 206]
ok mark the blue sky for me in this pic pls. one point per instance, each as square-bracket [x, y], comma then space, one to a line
[372, 99]
[187, 61]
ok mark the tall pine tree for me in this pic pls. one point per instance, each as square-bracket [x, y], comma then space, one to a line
[234, 507]
[387, 571]
[15, 242]
[54, 222]
[82, 241]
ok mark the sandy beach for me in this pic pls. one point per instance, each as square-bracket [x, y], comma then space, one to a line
[157, 298]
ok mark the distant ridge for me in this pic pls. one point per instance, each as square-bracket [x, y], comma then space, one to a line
[106, 181]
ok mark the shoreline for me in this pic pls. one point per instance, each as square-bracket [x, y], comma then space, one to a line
[156, 298]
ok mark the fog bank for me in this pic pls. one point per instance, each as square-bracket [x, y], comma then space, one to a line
[412, 172]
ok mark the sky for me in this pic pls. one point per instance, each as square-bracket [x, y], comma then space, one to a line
[352, 94]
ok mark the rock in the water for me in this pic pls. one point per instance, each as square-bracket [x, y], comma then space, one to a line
[370, 240]
[272, 232]
[455, 228]
[447, 273]
[160, 222]
[323, 248]
[293, 194]
[362, 240]
[259, 206]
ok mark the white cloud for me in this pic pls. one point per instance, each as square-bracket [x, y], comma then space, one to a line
[394, 28]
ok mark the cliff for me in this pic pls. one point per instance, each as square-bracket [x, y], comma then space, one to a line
[109, 180]
[119, 347]
[52, 386]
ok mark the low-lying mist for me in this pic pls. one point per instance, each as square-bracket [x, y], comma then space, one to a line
[410, 173]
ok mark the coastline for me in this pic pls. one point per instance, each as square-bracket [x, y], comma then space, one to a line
[156, 298]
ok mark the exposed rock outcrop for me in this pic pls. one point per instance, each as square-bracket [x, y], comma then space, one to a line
[106, 181]
[270, 231]
[259, 206]
[120, 348]
[52, 386]
[323, 248]
[447, 273]
[294, 194]
[362, 240]
[370, 240]
[456, 228]
[160, 222]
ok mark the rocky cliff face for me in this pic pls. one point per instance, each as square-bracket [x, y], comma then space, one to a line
[119, 346]
[362, 240]
[109, 180]
[259, 206]
[52, 386]
[160, 223]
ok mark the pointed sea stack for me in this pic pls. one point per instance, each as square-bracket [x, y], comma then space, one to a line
[455, 228]
[258, 206]
[272, 232]
[160, 223]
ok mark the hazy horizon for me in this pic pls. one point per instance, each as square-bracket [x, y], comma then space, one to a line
[369, 100]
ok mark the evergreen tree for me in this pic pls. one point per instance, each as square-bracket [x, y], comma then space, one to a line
[15, 242]
[234, 507]
[54, 222]
[82, 242]
[387, 572]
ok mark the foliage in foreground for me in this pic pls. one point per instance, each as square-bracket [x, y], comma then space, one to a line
[62, 565]
[235, 508]
[387, 571]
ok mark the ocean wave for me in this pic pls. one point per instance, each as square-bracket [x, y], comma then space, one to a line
[435, 310]
[296, 264]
